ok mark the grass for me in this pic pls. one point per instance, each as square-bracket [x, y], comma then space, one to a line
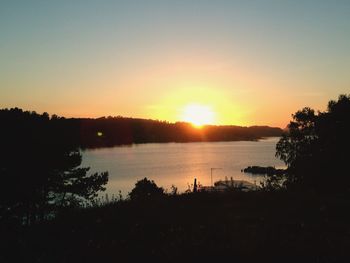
[241, 227]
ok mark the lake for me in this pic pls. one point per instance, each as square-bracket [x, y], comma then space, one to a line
[179, 163]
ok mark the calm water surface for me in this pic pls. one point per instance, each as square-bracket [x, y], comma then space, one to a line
[180, 163]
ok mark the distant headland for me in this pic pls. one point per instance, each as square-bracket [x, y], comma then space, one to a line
[113, 131]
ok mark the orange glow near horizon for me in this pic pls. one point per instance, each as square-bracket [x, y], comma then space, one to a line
[197, 103]
[198, 115]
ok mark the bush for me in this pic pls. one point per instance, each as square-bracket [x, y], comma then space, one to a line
[146, 189]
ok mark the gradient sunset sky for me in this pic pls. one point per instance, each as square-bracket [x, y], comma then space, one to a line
[251, 62]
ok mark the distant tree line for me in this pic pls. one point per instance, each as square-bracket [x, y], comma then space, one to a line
[106, 132]
[112, 131]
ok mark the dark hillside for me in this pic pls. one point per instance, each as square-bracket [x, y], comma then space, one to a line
[112, 131]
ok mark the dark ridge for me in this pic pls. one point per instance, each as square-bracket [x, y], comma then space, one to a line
[113, 131]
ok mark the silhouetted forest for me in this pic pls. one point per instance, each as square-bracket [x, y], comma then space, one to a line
[40, 168]
[316, 149]
[112, 131]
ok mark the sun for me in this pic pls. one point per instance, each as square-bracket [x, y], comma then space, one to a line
[198, 115]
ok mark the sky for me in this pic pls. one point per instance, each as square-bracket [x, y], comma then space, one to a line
[250, 62]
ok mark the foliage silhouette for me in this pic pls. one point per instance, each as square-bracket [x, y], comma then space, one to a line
[146, 189]
[40, 167]
[254, 226]
[316, 148]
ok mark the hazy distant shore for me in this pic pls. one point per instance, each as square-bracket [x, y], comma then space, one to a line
[114, 131]
[110, 131]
